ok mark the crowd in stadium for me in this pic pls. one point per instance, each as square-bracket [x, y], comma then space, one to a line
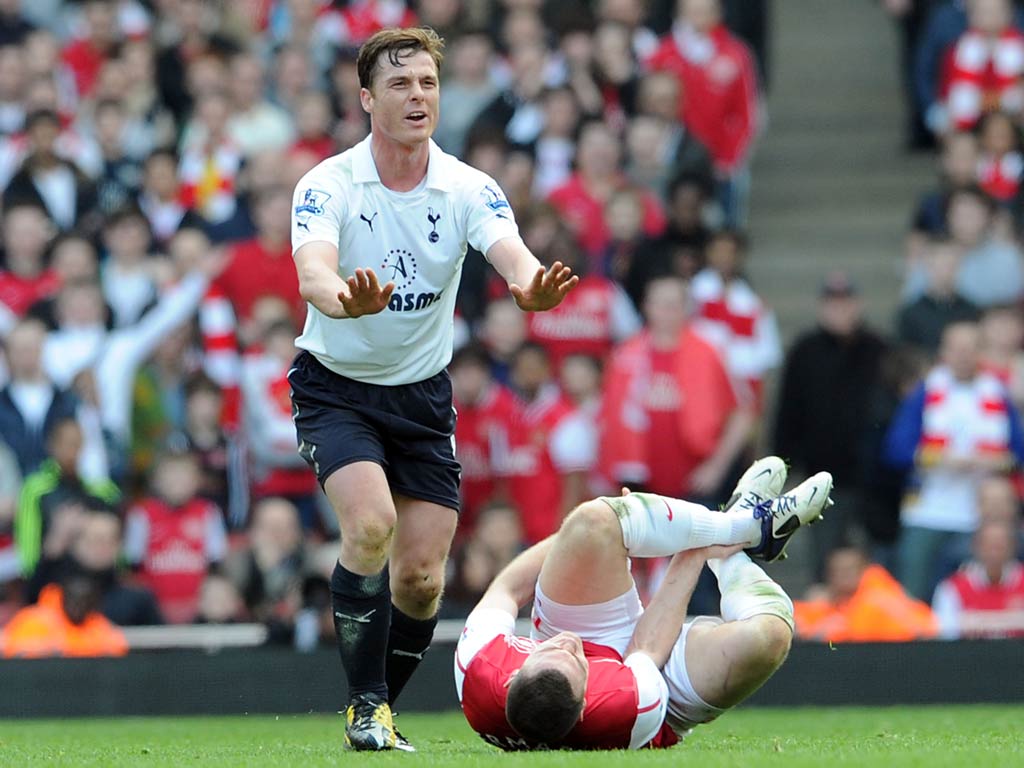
[149, 304]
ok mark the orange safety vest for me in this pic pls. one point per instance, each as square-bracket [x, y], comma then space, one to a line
[43, 629]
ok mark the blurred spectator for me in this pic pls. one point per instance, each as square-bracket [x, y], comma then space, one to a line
[162, 199]
[912, 17]
[255, 123]
[269, 572]
[986, 65]
[468, 88]
[624, 213]
[12, 86]
[516, 111]
[597, 176]
[673, 422]
[581, 379]
[10, 486]
[826, 380]
[313, 123]
[30, 404]
[120, 177]
[550, 448]
[860, 602]
[991, 270]
[680, 250]
[486, 410]
[732, 316]
[953, 430]
[190, 25]
[277, 468]
[205, 436]
[502, 331]
[210, 160]
[24, 279]
[53, 499]
[95, 552]
[594, 316]
[959, 164]
[65, 622]
[1002, 348]
[556, 144]
[922, 321]
[148, 122]
[985, 598]
[681, 151]
[47, 180]
[900, 370]
[87, 51]
[73, 259]
[720, 99]
[129, 280]
[173, 536]
[219, 601]
[263, 266]
[1002, 164]
[496, 540]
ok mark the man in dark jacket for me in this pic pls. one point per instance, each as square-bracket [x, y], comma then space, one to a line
[822, 404]
[30, 404]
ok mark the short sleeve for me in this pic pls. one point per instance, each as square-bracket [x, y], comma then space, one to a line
[489, 217]
[482, 626]
[318, 210]
[651, 702]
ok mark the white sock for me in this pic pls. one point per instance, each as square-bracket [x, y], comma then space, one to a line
[658, 526]
[748, 591]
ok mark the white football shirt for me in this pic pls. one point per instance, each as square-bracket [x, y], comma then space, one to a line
[417, 239]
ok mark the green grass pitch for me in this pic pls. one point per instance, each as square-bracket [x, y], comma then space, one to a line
[898, 737]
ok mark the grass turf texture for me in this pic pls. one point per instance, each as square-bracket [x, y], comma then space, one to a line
[898, 737]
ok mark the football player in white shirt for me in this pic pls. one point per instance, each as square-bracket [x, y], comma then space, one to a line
[371, 397]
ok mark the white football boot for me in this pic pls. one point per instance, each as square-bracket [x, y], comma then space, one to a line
[782, 516]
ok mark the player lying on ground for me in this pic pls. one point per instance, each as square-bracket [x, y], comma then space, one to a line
[599, 670]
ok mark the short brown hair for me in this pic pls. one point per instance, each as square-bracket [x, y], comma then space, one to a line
[542, 707]
[397, 44]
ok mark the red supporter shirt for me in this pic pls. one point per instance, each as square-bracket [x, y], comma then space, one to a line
[548, 439]
[590, 319]
[668, 462]
[584, 214]
[480, 432]
[254, 272]
[984, 609]
[19, 293]
[720, 103]
[174, 549]
[626, 701]
[85, 62]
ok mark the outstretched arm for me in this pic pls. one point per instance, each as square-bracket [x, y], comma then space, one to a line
[513, 587]
[534, 288]
[320, 284]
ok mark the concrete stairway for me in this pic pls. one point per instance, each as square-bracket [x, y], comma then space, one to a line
[832, 185]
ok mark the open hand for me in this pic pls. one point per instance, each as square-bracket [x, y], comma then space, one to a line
[364, 295]
[546, 289]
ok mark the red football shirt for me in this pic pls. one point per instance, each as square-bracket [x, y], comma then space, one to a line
[480, 430]
[253, 272]
[625, 704]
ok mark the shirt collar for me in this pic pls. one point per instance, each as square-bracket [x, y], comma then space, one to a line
[364, 170]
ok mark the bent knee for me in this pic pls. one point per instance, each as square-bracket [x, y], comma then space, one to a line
[775, 640]
[592, 521]
[419, 587]
[368, 528]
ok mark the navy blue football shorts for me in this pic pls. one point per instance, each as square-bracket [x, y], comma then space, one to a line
[407, 429]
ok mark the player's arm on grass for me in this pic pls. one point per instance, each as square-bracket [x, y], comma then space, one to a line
[320, 284]
[513, 587]
[534, 288]
[658, 629]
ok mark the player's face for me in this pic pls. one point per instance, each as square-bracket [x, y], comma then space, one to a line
[403, 101]
[563, 652]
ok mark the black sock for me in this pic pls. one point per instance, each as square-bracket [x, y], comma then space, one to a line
[408, 641]
[362, 617]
